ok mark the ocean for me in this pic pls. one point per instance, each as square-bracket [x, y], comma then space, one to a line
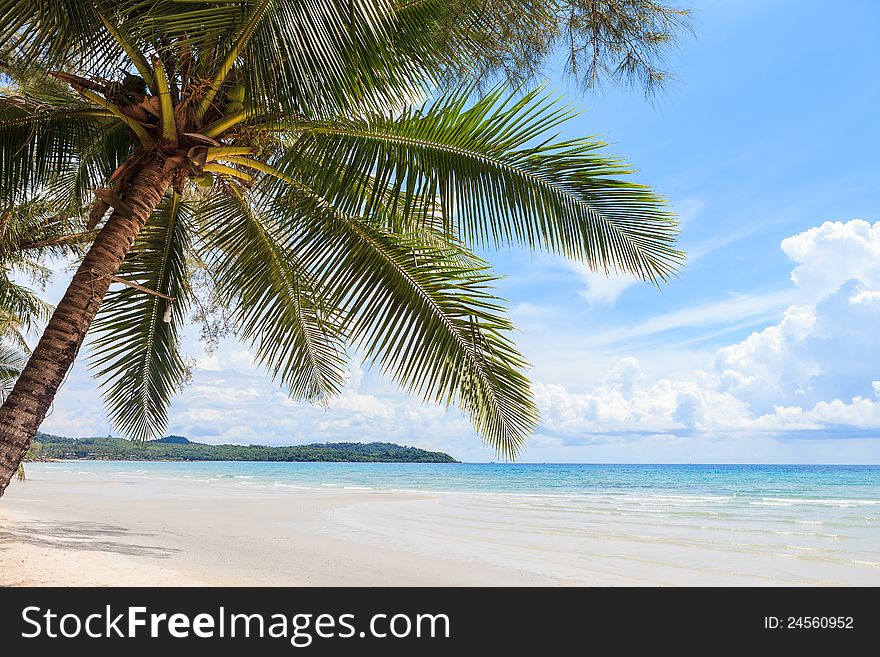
[832, 486]
[814, 523]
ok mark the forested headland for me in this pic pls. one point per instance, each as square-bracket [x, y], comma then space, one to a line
[177, 448]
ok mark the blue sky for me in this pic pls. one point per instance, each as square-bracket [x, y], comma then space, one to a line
[762, 351]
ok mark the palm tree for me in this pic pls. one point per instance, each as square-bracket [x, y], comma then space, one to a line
[282, 144]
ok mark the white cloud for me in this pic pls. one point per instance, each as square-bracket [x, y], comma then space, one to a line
[860, 412]
[866, 297]
[825, 346]
[762, 369]
[833, 253]
[601, 289]
[635, 408]
[734, 309]
[817, 352]
[242, 408]
[687, 407]
[818, 367]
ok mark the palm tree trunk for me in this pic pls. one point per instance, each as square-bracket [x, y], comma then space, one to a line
[27, 404]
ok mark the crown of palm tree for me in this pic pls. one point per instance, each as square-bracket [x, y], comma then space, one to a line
[331, 208]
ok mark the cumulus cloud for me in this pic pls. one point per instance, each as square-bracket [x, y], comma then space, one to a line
[825, 347]
[817, 368]
[829, 255]
[685, 407]
[817, 352]
[625, 402]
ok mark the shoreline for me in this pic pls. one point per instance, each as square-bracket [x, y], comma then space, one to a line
[107, 526]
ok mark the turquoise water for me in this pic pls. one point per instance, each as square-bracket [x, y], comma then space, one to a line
[833, 484]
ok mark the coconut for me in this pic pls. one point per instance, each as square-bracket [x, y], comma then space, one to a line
[233, 108]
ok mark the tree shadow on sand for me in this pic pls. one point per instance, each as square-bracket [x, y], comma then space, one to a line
[81, 535]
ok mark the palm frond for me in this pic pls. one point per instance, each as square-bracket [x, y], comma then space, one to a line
[498, 178]
[130, 47]
[71, 189]
[328, 57]
[423, 309]
[33, 231]
[70, 34]
[21, 308]
[12, 360]
[276, 306]
[36, 144]
[134, 352]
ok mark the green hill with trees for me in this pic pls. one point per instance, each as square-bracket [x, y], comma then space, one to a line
[178, 448]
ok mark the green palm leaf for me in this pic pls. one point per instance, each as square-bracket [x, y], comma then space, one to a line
[32, 231]
[39, 143]
[328, 56]
[134, 352]
[27, 237]
[53, 34]
[277, 307]
[20, 307]
[498, 179]
[72, 188]
[12, 360]
[424, 310]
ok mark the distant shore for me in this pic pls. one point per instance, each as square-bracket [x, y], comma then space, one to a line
[105, 524]
[49, 448]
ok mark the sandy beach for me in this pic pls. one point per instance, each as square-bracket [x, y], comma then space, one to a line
[63, 527]
[61, 530]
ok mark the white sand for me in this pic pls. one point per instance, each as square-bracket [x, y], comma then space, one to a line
[59, 529]
[64, 528]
